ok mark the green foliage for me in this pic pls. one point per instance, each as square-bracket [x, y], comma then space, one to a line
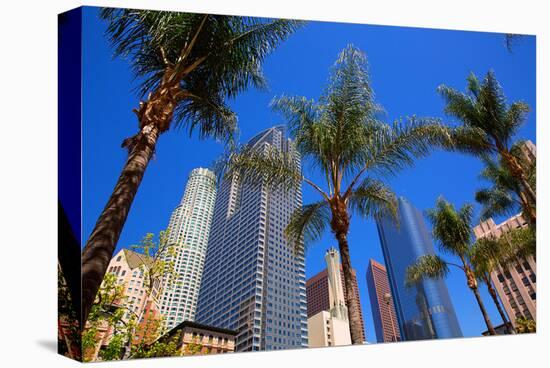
[160, 348]
[427, 266]
[504, 196]
[488, 121]
[452, 228]
[114, 348]
[158, 261]
[211, 58]
[193, 348]
[307, 224]
[525, 325]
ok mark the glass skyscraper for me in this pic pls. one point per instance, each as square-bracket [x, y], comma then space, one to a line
[252, 281]
[423, 311]
[188, 230]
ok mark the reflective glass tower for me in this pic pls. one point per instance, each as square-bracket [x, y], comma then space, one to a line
[188, 229]
[252, 282]
[424, 311]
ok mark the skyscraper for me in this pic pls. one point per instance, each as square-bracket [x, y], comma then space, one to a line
[381, 302]
[188, 229]
[423, 311]
[252, 281]
[317, 290]
[516, 285]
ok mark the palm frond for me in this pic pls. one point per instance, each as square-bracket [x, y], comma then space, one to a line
[307, 224]
[373, 199]
[264, 165]
[428, 266]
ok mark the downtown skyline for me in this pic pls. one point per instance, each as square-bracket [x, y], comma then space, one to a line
[364, 242]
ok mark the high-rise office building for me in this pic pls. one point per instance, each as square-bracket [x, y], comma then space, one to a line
[381, 302]
[515, 285]
[188, 231]
[253, 282]
[317, 289]
[424, 311]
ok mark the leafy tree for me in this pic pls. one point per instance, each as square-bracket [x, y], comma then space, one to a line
[341, 137]
[526, 325]
[489, 126]
[160, 348]
[452, 230]
[193, 348]
[188, 65]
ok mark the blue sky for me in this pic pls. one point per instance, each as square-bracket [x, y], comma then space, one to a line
[406, 65]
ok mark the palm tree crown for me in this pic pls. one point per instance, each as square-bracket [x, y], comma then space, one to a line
[340, 137]
[201, 59]
[489, 124]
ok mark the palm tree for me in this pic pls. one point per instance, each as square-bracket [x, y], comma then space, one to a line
[489, 124]
[188, 65]
[452, 229]
[505, 196]
[486, 257]
[340, 137]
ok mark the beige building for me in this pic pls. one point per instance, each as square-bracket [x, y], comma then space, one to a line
[516, 285]
[130, 268]
[325, 330]
[331, 328]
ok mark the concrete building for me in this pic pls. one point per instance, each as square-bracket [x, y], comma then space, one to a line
[516, 285]
[423, 311]
[195, 338]
[253, 282]
[381, 301]
[317, 290]
[188, 231]
[331, 328]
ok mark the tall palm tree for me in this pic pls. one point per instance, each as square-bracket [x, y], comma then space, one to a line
[505, 195]
[452, 230]
[341, 138]
[489, 124]
[188, 65]
[486, 256]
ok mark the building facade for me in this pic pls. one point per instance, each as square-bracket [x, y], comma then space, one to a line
[516, 285]
[130, 269]
[317, 290]
[195, 339]
[381, 302]
[423, 311]
[331, 328]
[253, 282]
[188, 231]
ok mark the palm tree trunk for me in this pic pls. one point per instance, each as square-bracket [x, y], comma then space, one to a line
[527, 209]
[488, 322]
[494, 296]
[102, 242]
[351, 301]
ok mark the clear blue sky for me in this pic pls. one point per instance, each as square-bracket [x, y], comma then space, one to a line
[406, 66]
